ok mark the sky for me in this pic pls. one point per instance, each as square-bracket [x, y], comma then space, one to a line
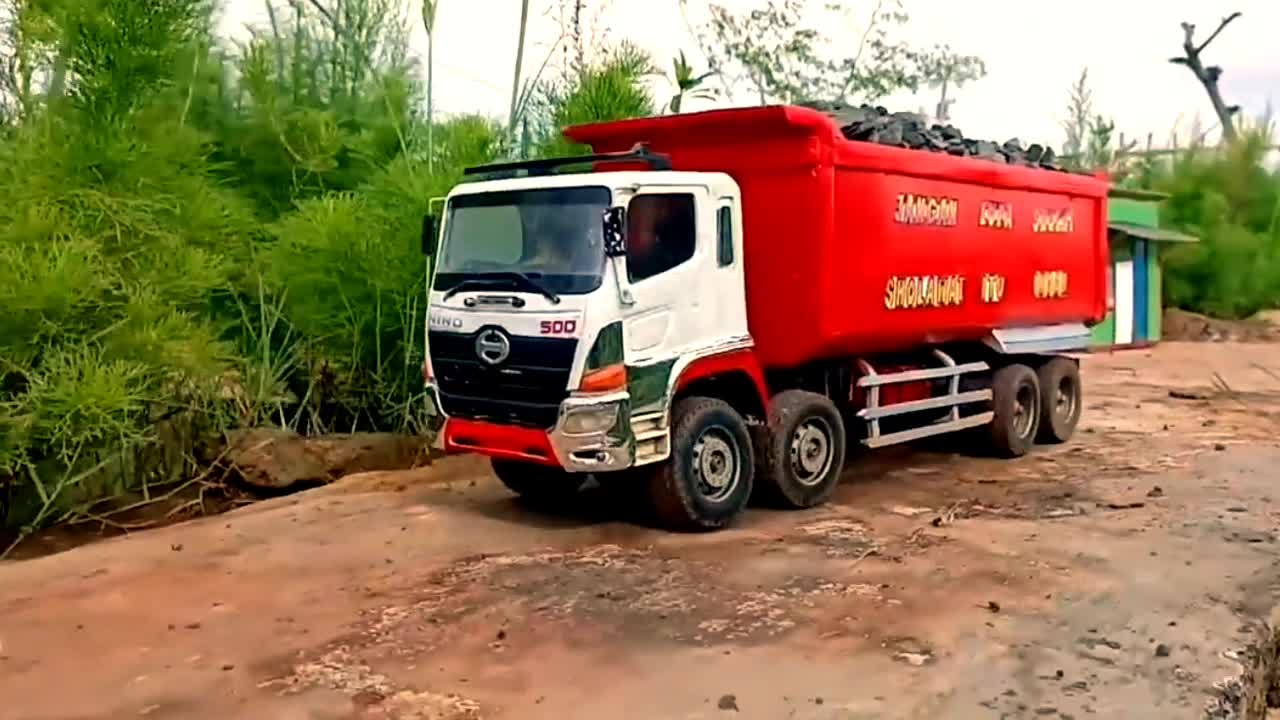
[1034, 50]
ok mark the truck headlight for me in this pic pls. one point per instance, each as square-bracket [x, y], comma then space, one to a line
[590, 420]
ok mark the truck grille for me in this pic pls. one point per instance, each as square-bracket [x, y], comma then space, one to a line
[526, 389]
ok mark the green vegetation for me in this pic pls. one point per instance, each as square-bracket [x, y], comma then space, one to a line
[197, 236]
[1226, 195]
[1231, 200]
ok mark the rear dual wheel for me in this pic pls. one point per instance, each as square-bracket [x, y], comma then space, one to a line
[1061, 399]
[1016, 402]
[1041, 405]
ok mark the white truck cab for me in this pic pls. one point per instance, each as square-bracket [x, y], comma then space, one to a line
[564, 307]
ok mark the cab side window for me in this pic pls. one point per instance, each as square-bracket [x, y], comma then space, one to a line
[661, 233]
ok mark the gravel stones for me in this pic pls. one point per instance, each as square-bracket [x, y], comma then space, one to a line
[867, 123]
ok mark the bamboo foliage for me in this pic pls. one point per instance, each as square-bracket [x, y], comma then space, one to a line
[222, 233]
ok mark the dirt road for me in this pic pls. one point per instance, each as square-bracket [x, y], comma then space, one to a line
[1118, 576]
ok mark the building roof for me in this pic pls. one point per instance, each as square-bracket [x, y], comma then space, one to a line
[1151, 233]
[1136, 194]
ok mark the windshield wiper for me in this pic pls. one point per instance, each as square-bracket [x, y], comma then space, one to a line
[501, 279]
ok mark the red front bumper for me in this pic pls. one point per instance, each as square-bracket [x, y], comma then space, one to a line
[503, 442]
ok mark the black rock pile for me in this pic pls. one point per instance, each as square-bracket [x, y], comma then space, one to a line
[867, 123]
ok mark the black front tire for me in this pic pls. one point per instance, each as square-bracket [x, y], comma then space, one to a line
[538, 483]
[706, 482]
[802, 457]
[1061, 400]
[1015, 399]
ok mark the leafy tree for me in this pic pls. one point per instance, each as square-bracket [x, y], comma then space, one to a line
[785, 57]
[945, 69]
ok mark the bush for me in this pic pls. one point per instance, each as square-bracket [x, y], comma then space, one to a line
[1228, 198]
[116, 244]
[612, 88]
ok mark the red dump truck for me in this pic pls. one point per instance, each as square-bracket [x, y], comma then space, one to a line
[718, 304]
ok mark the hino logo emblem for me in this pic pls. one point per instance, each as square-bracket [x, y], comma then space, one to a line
[492, 346]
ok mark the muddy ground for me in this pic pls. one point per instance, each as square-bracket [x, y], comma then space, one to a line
[1119, 576]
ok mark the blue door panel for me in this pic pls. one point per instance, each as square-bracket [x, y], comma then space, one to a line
[1141, 326]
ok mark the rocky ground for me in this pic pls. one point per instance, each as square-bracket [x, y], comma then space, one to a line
[1124, 575]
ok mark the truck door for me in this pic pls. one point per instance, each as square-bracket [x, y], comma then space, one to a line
[670, 257]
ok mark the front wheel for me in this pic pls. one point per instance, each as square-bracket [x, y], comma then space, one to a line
[707, 480]
[803, 455]
[1015, 399]
[538, 483]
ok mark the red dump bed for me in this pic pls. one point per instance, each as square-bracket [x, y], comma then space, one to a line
[854, 248]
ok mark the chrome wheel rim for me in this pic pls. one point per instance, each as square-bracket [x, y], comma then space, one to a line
[812, 451]
[1065, 400]
[1024, 410]
[716, 469]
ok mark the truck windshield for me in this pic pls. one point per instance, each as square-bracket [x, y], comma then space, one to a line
[550, 235]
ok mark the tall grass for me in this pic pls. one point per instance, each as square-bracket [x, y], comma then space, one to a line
[226, 235]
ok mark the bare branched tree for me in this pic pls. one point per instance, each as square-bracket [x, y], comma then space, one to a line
[1210, 75]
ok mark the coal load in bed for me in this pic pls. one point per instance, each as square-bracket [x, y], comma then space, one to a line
[910, 130]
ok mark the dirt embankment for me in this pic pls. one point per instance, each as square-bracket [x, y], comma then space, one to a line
[1180, 325]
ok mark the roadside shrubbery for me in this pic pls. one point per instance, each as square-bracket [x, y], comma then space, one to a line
[221, 237]
[1231, 200]
[116, 238]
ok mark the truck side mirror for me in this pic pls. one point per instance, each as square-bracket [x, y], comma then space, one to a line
[615, 232]
[429, 234]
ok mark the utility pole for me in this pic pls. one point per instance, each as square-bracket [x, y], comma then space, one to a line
[515, 83]
[429, 8]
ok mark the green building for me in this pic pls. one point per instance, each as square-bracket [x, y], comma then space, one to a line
[1136, 246]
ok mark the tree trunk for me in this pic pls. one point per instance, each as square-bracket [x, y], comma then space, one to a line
[943, 113]
[1209, 76]
[515, 82]
[58, 77]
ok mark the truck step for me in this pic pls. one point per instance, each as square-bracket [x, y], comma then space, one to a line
[877, 380]
[648, 425]
[942, 401]
[874, 412]
[652, 442]
[925, 431]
